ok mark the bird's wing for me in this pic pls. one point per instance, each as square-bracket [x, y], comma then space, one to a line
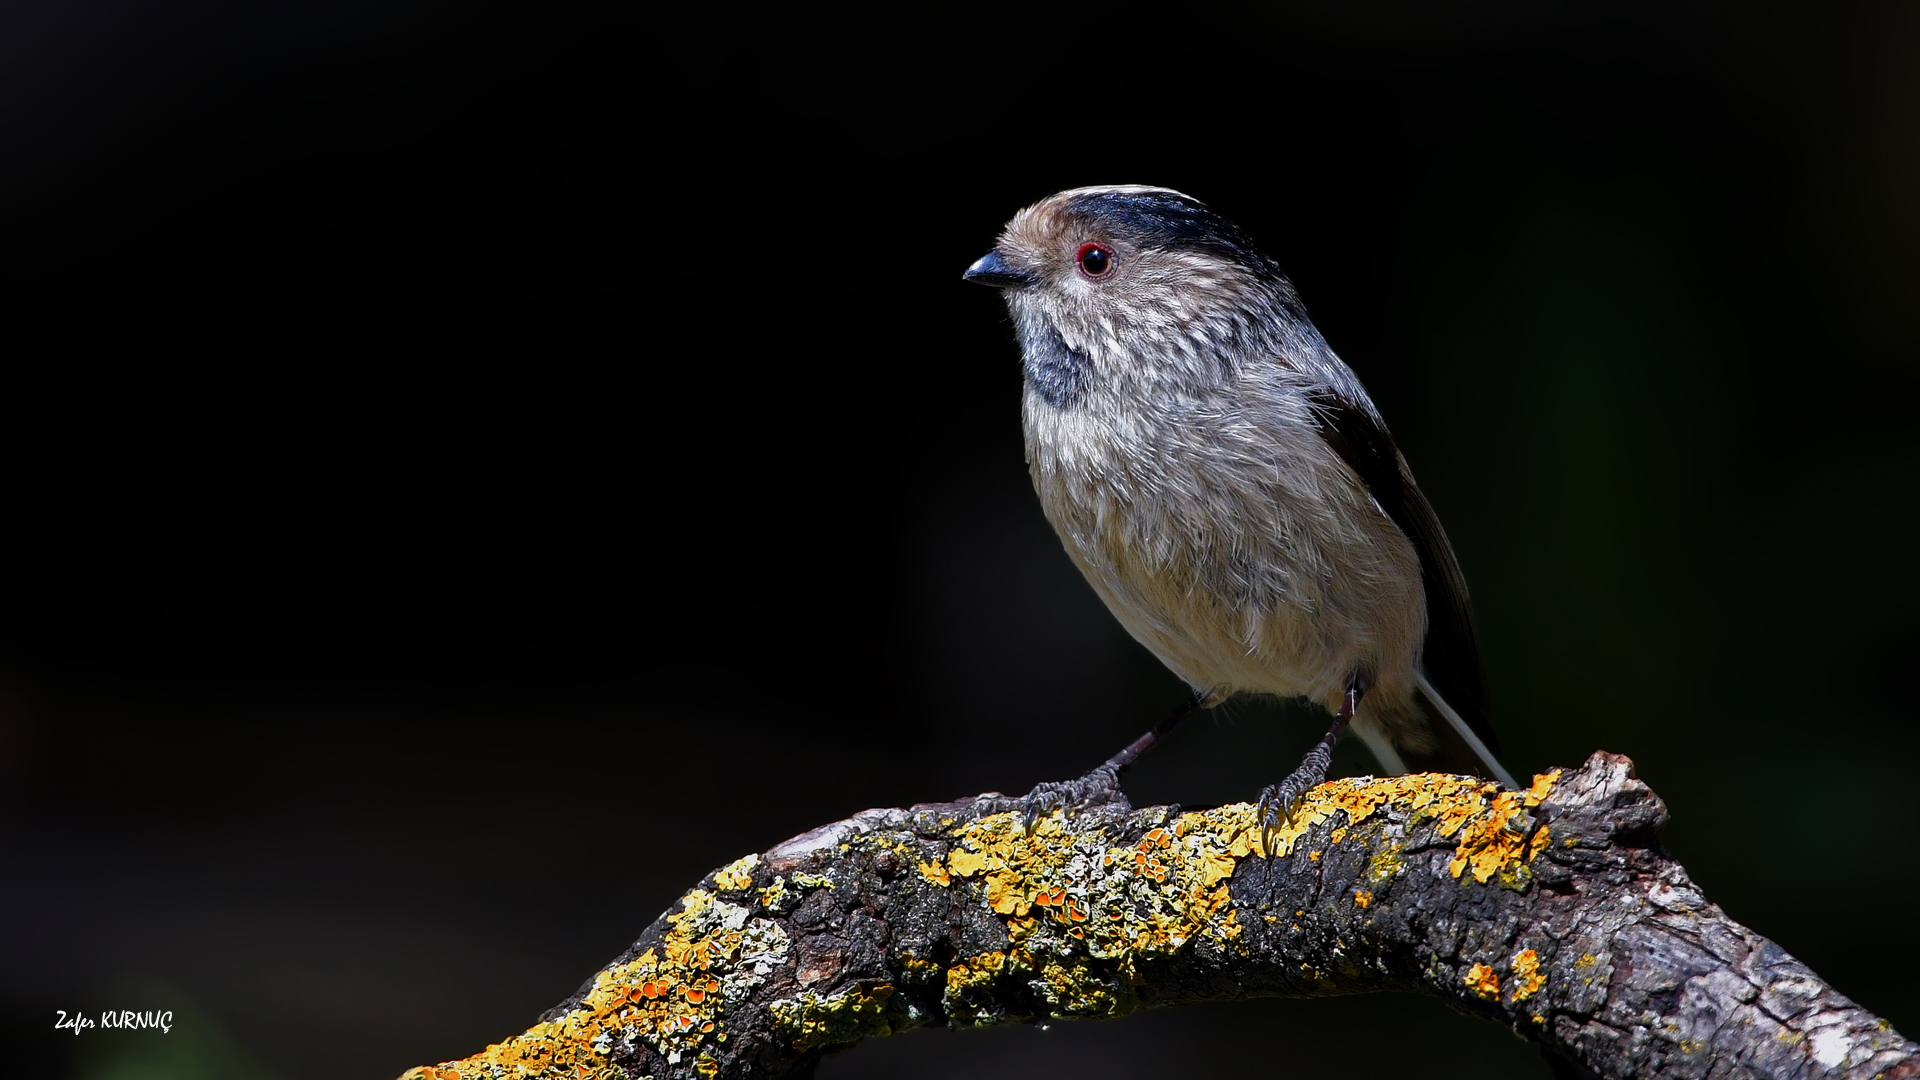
[1451, 656]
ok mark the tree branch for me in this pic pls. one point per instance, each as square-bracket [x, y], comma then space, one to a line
[1553, 910]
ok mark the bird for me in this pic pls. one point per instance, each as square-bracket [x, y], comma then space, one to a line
[1229, 490]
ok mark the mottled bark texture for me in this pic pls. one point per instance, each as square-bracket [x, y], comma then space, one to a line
[1553, 910]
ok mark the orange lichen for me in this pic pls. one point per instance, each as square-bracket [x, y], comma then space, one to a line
[670, 997]
[936, 872]
[1486, 842]
[1362, 898]
[1538, 845]
[1490, 844]
[1542, 787]
[1483, 982]
[1526, 974]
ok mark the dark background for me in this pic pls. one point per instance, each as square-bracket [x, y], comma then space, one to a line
[472, 470]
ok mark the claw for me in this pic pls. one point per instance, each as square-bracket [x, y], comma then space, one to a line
[1032, 817]
[1278, 800]
[1275, 809]
[1042, 801]
[1100, 786]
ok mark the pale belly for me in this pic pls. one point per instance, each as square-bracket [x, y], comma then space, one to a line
[1285, 585]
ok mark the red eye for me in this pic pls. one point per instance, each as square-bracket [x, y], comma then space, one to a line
[1096, 260]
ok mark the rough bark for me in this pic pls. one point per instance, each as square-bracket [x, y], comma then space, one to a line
[1553, 910]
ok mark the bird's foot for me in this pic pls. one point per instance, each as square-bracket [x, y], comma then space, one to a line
[1101, 787]
[1098, 788]
[1277, 802]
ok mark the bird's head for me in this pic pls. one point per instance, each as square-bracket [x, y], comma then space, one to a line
[1135, 281]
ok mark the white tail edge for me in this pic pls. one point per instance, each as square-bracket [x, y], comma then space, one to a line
[1382, 748]
[1479, 748]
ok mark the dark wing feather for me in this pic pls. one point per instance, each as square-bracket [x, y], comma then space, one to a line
[1451, 654]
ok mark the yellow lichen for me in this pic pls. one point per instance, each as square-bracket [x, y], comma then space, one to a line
[1476, 811]
[965, 863]
[737, 874]
[1386, 862]
[1075, 990]
[1215, 866]
[812, 1021]
[1089, 909]
[1119, 903]
[1453, 800]
[978, 971]
[671, 998]
[1483, 982]
[1093, 907]
[1526, 974]
[1005, 895]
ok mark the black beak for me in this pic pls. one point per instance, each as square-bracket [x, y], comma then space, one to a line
[991, 269]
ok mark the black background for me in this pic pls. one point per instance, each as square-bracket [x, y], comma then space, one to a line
[471, 470]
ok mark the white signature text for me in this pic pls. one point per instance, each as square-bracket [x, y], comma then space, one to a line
[124, 1018]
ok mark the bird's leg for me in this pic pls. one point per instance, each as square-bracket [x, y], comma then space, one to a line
[1102, 785]
[1277, 801]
